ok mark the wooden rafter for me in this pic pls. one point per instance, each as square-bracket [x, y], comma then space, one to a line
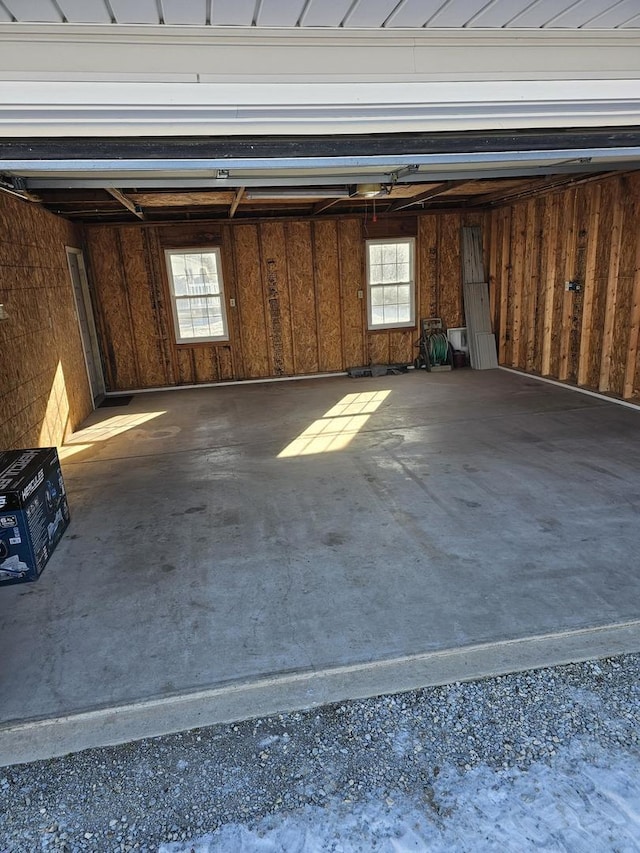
[425, 196]
[537, 186]
[324, 204]
[236, 201]
[126, 202]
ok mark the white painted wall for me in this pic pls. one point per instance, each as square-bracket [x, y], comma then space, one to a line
[84, 80]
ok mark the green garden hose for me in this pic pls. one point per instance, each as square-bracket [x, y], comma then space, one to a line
[438, 348]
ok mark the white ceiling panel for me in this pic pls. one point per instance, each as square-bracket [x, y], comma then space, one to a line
[456, 14]
[370, 13]
[32, 11]
[497, 13]
[325, 13]
[344, 14]
[537, 14]
[185, 11]
[237, 13]
[85, 11]
[135, 11]
[618, 14]
[276, 13]
[577, 14]
[414, 13]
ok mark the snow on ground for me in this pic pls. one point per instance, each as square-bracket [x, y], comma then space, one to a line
[584, 799]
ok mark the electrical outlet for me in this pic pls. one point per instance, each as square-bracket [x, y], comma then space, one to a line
[361, 294]
[232, 302]
[3, 313]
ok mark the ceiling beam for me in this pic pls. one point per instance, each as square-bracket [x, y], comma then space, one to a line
[425, 196]
[533, 188]
[323, 205]
[126, 202]
[236, 201]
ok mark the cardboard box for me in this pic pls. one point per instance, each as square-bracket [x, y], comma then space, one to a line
[33, 512]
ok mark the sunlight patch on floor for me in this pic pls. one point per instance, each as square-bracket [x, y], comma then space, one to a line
[337, 428]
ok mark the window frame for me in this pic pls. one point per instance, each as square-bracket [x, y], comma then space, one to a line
[404, 324]
[203, 339]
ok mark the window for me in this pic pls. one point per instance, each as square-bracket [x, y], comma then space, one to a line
[197, 295]
[390, 283]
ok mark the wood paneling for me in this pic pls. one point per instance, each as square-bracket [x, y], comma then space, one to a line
[303, 297]
[449, 271]
[275, 277]
[352, 277]
[427, 282]
[144, 316]
[296, 287]
[251, 311]
[590, 235]
[631, 386]
[44, 391]
[326, 267]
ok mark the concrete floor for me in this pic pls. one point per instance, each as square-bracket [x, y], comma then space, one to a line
[453, 525]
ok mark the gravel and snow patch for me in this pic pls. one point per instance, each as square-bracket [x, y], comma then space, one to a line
[547, 760]
[574, 805]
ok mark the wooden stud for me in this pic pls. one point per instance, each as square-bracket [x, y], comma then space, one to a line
[612, 293]
[578, 274]
[492, 254]
[631, 389]
[589, 285]
[517, 276]
[603, 256]
[505, 283]
[568, 265]
[623, 322]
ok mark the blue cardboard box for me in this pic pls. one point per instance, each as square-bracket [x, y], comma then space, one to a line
[33, 512]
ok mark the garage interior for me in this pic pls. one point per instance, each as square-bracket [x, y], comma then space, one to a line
[242, 543]
[238, 538]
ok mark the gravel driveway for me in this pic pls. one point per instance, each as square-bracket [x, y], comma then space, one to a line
[547, 759]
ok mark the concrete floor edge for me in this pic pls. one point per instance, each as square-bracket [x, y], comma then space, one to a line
[606, 398]
[35, 740]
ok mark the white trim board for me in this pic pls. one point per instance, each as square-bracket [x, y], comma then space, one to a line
[226, 383]
[124, 80]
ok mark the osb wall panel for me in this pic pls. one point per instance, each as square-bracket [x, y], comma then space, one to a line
[296, 287]
[589, 234]
[44, 391]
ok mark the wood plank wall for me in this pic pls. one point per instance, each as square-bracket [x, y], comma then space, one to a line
[295, 284]
[44, 391]
[591, 234]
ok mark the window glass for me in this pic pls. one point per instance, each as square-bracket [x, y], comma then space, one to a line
[390, 283]
[195, 279]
